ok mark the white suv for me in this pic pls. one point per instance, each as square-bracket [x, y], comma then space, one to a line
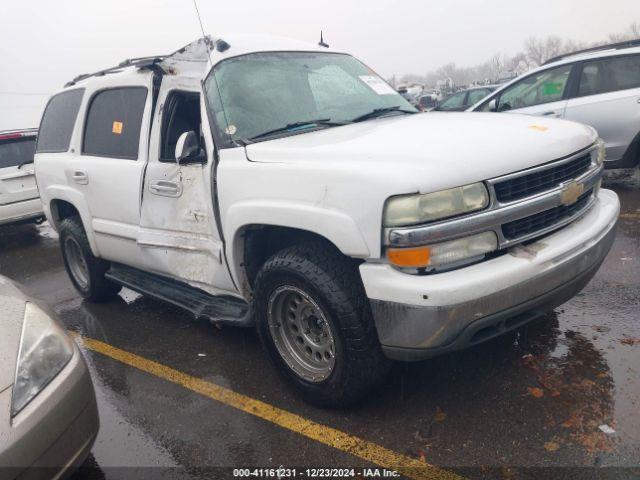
[19, 199]
[598, 86]
[263, 182]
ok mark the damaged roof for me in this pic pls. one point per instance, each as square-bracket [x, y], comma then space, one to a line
[196, 58]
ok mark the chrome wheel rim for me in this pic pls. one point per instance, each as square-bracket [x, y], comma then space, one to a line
[301, 333]
[76, 261]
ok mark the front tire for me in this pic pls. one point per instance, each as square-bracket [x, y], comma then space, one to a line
[87, 272]
[315, 322]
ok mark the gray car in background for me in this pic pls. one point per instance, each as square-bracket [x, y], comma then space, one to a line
[48, 412]
[599, 87]
[462, 100]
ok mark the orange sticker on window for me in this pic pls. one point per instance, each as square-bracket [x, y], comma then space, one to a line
[117, 128]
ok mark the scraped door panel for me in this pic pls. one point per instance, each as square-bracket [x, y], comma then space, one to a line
[178, 234]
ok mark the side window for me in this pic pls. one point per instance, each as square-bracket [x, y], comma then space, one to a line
[17, 152]
[542, 87]
[476, 95]
[56, 126]
[590, 79]
[181, 113]
[610, 75]
[113, 124]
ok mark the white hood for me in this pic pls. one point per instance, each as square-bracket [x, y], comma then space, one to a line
[434, 149]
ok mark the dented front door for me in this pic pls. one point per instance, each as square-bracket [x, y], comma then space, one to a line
[178, 234]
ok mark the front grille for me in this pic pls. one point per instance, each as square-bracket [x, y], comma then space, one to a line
[540, 221]
[536, 182]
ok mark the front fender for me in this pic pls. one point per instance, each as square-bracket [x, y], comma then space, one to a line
[334, 225]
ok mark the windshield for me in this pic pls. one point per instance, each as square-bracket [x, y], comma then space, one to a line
[267, 92]
[454, 101]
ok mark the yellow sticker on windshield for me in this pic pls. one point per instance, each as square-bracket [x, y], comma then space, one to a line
[117, 128]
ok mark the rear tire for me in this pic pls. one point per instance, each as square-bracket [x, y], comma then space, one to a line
[87, 272]
[331, 354]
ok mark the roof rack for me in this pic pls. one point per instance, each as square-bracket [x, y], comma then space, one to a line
[611, 46]
[140, 62]
[151, 62]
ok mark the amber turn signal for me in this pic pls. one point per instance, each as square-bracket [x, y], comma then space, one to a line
[409, 257]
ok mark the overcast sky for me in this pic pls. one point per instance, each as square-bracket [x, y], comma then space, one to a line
[45, 43]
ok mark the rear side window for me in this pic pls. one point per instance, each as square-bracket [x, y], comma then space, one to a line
[610, 75]
[114, 120]
[54, 134]
[17, 152]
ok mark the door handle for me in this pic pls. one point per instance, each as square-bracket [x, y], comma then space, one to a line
[165, 188]
[81, 178]
[550, 114]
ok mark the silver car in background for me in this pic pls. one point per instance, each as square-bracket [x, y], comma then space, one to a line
[48, 412]
[599, 87]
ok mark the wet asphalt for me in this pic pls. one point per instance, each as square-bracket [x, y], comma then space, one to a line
[527, 405]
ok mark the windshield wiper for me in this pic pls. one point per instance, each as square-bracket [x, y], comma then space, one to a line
[291, 126]
[24, 163]
[376, 112]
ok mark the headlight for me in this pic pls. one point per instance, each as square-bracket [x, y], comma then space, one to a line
[44, 351]
[415, 209]
[600, 152]
[444, 253]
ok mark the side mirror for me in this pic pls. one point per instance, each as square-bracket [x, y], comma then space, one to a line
[188, 149]
[493, 105]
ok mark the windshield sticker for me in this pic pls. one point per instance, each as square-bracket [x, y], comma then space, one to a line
[377, 85]
[117, 128]
[552, 88]
[230, 130]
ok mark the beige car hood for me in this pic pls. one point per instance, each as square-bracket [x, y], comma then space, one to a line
[12, 306]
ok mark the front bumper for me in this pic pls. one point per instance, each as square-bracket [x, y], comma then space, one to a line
[54, 433]
[21, 211]
[419, 317]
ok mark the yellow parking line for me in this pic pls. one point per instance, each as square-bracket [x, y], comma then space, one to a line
[371, 452]
[630, 215]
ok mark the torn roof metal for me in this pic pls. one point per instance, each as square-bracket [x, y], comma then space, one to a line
[196, 58]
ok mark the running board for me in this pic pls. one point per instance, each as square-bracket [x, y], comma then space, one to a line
[224, 310]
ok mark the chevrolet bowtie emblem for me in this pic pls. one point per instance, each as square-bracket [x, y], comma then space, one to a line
[571, 193]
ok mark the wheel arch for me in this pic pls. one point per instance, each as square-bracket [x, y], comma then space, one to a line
[631, 157]
[257, 231]
[65, 203]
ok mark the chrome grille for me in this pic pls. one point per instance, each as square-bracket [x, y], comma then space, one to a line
[544, 220]
[541, 210]
[533, 183]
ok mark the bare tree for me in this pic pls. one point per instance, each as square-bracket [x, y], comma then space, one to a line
[535, 52]
[631, 33]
